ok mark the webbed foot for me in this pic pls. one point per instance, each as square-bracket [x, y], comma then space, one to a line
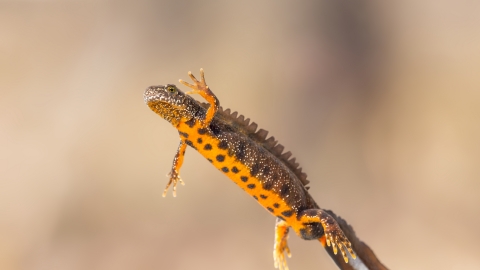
[174, 179]
[199, 87]
[335, 238]
[279, 259]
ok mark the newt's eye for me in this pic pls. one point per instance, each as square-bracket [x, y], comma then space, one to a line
[171, 89]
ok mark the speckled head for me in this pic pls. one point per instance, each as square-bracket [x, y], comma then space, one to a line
[169, 102]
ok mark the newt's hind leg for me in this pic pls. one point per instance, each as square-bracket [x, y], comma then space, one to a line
[334, 235]
[281, 246]
[201, 88]
[174, 174]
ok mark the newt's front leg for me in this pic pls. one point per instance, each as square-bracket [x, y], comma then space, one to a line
[201, 88]
[174, 173]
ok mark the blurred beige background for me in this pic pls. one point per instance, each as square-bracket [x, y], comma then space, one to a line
[380, 103]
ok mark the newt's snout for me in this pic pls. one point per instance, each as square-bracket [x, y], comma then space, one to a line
[152, 93]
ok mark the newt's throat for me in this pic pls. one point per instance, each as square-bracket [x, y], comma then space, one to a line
[168, 112]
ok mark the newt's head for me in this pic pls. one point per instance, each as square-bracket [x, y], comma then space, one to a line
[169, 102]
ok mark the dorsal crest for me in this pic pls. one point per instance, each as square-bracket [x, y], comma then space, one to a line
[250, 129]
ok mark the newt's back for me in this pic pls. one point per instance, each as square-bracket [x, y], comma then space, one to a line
[255, 164]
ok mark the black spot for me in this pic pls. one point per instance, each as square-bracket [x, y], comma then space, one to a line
[190, 143]
[304, 234]
[220, 158]
[210, 160]
[263, 196]
[202, 131]
[255, 197]
[270, 209]
[199, 140]
[288, 213]
[216, 130]
[240, 152]
[276, 205]
[191, 122]
[267, 185]
[285, 190]
[223, 145]
[235, 169]
[183, 153]
[255, 169]
[207, 147]
[251, 186]
[183, 134]
[244, 178]
[266, 170]
[280, 217]
[225, 169]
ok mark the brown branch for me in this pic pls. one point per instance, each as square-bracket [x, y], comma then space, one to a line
[366, 259]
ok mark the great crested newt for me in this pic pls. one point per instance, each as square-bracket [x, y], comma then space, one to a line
[244, 154]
